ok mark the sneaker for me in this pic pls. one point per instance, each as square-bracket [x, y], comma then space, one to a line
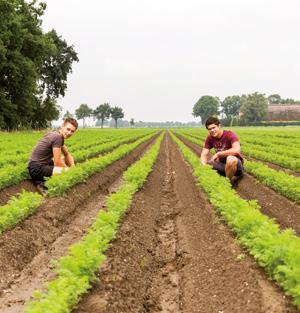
[42, 189]
[235, 179]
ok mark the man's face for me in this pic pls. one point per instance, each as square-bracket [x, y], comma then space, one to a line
[214, 130]
[67, 130]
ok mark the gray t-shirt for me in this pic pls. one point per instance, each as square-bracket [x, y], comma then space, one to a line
[43, 153]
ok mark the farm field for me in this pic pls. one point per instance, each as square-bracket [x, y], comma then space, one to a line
[148, 226]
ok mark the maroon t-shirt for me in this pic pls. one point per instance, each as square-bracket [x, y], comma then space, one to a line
[223, 143]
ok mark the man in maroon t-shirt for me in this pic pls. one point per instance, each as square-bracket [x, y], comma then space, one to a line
[227, 160]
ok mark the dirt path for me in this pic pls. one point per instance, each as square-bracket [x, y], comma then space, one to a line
[286, 212]
[26, 250]
[174, 254]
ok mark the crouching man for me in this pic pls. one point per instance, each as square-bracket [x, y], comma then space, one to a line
[227, 160]
[46, 158]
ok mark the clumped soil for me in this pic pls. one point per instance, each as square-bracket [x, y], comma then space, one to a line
[173, 253]
[286, 212]
[26, 250]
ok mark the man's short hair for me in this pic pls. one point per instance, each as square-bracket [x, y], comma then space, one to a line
[212, 120]
[72, 121]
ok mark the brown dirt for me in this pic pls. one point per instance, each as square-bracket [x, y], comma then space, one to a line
[286, 212]
[23, 248]
[174, 254]
[275, 166]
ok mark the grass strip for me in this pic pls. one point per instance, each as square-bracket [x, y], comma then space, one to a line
[18, 208]
[77, 270]
[275, 250]
[287, 185]
[58, 184]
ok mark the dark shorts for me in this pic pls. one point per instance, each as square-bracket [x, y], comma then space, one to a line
[38, 171]
[220, 168]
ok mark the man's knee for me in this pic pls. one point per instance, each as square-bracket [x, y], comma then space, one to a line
[231, 160]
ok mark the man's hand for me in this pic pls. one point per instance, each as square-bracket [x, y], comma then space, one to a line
[215, 157]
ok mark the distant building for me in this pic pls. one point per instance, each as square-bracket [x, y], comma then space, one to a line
[283, 112]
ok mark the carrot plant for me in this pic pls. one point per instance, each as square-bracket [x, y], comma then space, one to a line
[77, 270]
[58, 184]
[18, 208]
[275, 250]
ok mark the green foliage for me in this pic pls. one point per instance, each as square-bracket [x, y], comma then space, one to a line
[76, 270]
[287, 185]
[18, 208]
[102, 112]
[83, 112]
[277, 251]
[206, 106]
[58, 184]
[231, 106]
[32, 64]
[116, 113]
[253, 107]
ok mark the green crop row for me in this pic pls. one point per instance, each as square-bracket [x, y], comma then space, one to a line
[13, 174]
[77, 270]
[275, 250]
[26, 203]
[18, 208]
[287, 185]
[58, 184]
[267, 155]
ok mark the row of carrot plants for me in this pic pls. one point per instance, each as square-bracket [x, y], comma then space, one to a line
[26, 203]
[13, 174]
[275, 250]
[59, 184]
[76, 271]
[283, 183]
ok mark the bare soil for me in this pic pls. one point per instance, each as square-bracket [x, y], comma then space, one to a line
[286, 212]
[174, 254]
[26, 250]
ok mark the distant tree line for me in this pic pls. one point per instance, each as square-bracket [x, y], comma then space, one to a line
[101, 114]
[33, 66]
[238, 110]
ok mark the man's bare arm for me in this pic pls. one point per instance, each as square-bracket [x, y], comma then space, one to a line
[204, 155]
[57, 159]
[236, 148]
[68, 157]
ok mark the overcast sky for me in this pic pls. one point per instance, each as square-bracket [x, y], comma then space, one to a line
[155, 59]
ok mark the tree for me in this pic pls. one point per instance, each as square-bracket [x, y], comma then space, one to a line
[68, 114]
[206, 106]
[231, 106]
[83, 112]
[116, 113]
[254, 107]
[102, 112]
[33, 65]
[131, 122]
[275, 99]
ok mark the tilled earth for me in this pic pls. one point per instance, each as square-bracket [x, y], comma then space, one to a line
[286, 212]
[173, 253]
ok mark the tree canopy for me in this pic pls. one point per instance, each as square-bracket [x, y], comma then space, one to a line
[33, 66]
[254, 107]
[116, 113]
[83, 112]
[206, 106]
[102, 112]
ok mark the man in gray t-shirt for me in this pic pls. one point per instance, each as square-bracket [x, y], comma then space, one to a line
[46, 158]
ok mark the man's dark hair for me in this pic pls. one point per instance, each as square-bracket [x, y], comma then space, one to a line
[72, 121]
[212, 120]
